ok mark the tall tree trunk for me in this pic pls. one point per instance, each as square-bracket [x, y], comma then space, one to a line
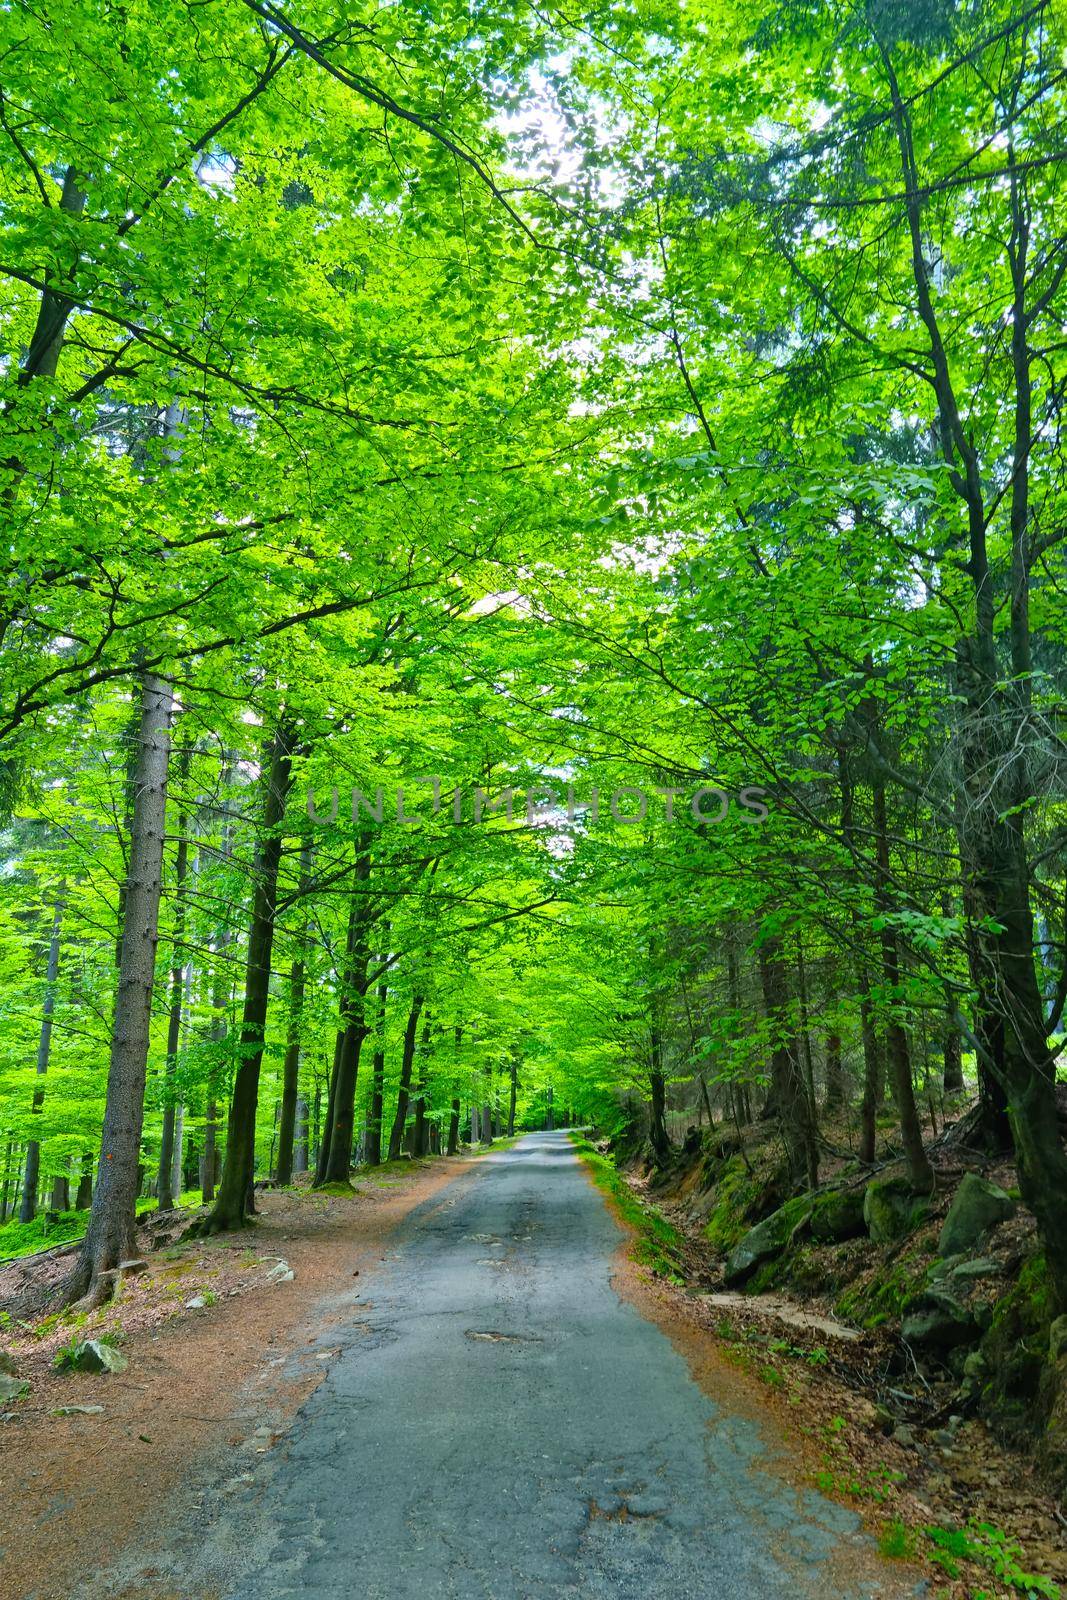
[111, 1234]
[291, 1074]
[322, 1158]
[300, 1151]
[377, 1095]
[403, 1093]
[32, 1170]
[835, 1074]
[513, 1094]
[873, 1066]
[84, 1197]
[420, 1143]
[452, 1148]
[165, 1189]
[657, 1120]
[920, 1172]
[291, 1063]
[221, 994]
[788, 1088]
[353, 1030]
[231, 1204]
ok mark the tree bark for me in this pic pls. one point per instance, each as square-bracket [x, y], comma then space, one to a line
[788, 1088]
[231, 1207]
[111, 1234]
[353, 1028]
[452, 1148]
[164, 1190]
[291, 1074]
[657, 1120]
[920, 1172]
[420, 1142]
[32, 1171]
[403, 1094]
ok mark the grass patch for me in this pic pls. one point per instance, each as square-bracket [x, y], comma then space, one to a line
[658, 1245]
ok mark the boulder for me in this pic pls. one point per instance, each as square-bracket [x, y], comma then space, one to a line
[281, 1272]
[892, 1209]
[767, 1239]
[838, 1215]
[92, 1355]
[981, 1267]
[7, 1365]
[935, 1318]
[12, 1388]
[977, 1206]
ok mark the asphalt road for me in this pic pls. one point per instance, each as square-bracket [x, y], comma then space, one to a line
[499, 1425]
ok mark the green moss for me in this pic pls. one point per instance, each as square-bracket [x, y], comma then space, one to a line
[736, 1191]
[883, 1297]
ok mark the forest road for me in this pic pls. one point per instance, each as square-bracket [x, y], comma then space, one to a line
[498, 1425]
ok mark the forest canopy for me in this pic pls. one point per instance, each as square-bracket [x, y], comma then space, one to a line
[633, 437]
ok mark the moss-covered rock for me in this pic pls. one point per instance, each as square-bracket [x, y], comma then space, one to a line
[1016, 1352]
[737, 1191]
[838, 1215]
[767, 1239]
[977, 1206]
[936, 1319]
[892, 1210]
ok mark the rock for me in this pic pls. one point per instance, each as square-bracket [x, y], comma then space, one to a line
[838, 1215]
[92, 1355]
[132, 1268]
[12, 1388]
[197, 1303]
[936, 1318]
[892, 1209]
[281, 1272]
[902, 1434]
[7, 1365]
[977, 1206]
[767, 1239]
[980, 1267]
[77, 1411]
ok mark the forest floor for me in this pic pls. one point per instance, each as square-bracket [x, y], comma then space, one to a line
[492, 1409]
[75, 1488]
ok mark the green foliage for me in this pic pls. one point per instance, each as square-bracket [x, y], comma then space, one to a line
[987, 1546]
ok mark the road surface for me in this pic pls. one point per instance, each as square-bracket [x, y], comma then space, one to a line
[499, 1425]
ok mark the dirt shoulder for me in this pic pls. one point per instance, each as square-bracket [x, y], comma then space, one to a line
[201, 1379]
